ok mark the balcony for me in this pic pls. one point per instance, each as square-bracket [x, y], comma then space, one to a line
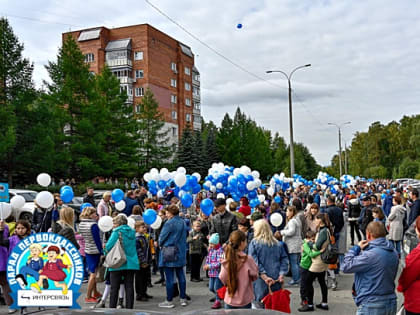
[196, 98]
[129, 99]
[195, 82]
[197, 125]
[196, 111]
[119, 62]
[126, 80]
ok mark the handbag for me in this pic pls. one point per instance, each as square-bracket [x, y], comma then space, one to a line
[330, 254]
[100, 274]
[116, 256]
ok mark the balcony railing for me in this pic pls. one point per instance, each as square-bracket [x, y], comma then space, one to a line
[196, 111]
[129, 98]
[195, 82]
[197, 125]
[119, 62]
[126, 80]
[196, 97]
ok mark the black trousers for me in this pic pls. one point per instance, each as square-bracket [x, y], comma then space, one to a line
[196, 260]
[310, 288]
[354, 227]
[304, 275]
[116, 278]
[141, 281]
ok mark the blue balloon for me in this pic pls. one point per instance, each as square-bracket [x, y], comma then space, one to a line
[207, 206]
[153, 191]
[252, 194]
[277, 199]
[67, 195]
[239, 25]
[262, 186]
[233, 182]
[383, 196]
[151, 184]
[84, 205]
[236, 197]
[241, 179]
[117, 195]
[254, 203]
[161, 184]
[249, 178]
[149, 216]
[65, 188]
[187, 200]
[196, 189]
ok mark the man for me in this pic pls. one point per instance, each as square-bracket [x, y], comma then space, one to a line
[335, 214]
[317, 198]
[366, 215]
[387, 204]
[375, 264]
[130, 202]
[89, 197]
[223, 222]
[415, 207]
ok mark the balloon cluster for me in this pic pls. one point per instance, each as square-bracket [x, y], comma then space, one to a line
[117, 196]
[347, 180]
[278, 182]
[238, 182]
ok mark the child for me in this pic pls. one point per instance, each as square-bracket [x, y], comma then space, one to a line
[378, 215]
[196, 243]
[213, 263]
[145, 259]
[307, 254]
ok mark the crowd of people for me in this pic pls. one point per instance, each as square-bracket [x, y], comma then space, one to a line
[239, 248]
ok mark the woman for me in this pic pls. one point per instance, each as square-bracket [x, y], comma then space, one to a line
[173, 234]
[310, 216]
[395, 222]
[271, 259]
[65, 225]
[354, 214]
[237, 273]
[89, 230]
[244, 207]
[104, 206]
[126, 272]
[318, 267]
[292, 236]
[409, 282]
[41, 219]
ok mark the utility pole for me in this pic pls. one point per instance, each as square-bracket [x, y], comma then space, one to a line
[339, 143]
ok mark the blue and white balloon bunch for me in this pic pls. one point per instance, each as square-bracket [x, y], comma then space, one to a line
[347, 180]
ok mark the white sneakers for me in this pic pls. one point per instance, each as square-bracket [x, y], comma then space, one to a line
[168, 304]
[183, 302]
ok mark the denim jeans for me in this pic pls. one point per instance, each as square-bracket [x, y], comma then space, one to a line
[170, 273]
[388, 307]
[294, 266]
[397, 246]
[214, 285]
[227, 306]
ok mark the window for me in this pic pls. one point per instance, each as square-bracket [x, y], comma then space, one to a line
[89, 57]
[173, 99]
[130, 91]
[197, 77]
[173, 82]
[188, 101]
[188, 117]
[139, 74]
[173, 66]
[197, 106]
[174, 115]
[174, 132]
[197, 119]
[196, 91]
[187, 71]
[139, 91]
[187, 86]
[137, 109]
[138, 55]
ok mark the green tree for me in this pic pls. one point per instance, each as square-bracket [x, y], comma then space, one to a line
[210, 154]
[186, 149]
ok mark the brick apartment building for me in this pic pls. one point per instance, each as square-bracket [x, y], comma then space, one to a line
[143, 57]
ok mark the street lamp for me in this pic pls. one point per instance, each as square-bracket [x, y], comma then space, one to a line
[292, 153]
[339, 142]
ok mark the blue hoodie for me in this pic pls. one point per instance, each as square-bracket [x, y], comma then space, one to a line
[375, 270]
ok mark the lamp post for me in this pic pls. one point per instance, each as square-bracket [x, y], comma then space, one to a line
[292, 153]
[339, 142]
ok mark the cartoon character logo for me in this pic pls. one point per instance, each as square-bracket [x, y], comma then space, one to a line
[45, 269]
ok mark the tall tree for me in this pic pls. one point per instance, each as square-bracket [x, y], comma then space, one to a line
[186, 149]
[210, 155]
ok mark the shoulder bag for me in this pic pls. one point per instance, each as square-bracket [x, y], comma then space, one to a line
[170, 253]
[116, 256]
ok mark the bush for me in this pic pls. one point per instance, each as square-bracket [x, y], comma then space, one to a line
[79, 189]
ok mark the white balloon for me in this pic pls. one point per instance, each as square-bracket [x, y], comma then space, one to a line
[105, 223]
[44, 199]
[163, 171]
[236, 171]
[261, 198]
[213, 188]
[131, 222]
[229, 201]
[181, 170]
[166, 176]
[219, 185]
[255, 174]
[181, 193]
[250, 186]
[257, 183]
[270, 191]
[120, 205]
[221, 195]
[156, 177]
[196, 175]
[155, 225]
[43, 179]
[147, 177]
[207, 183]
[160, 194]
[5, 210]
[276, 219]
[17, 202]
[154, 171]
[180, 179]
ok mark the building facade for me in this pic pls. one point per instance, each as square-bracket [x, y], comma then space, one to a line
[142, 57]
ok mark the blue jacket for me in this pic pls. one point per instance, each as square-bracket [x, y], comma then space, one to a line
[272, 261]
[387, 205]
[375, 269]
[335, 215]
[414, 212]
[317, 199]
[129, 204]
[129, 245]
[174, 233]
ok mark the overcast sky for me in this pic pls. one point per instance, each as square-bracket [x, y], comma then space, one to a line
[365, 56]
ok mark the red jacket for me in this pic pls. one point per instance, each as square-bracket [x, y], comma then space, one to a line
[409, 282]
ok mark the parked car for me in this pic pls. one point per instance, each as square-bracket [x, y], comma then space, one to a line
[28, 209]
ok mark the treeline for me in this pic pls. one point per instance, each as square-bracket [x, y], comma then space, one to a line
[240, 141]
[385, 151]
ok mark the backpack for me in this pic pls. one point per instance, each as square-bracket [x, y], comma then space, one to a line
[330, 254]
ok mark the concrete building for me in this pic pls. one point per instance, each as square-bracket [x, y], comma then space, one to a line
[143, 57]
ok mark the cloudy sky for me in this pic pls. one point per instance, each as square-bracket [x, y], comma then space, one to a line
[365, 56]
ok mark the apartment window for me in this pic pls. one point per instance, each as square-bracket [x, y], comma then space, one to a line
[139, 74]
[139, 91]
[137, 109]
[89, 57]
[196, 91]
[173, 66]
[188, 101]
[174, 114]
[197, 119]
[187, 86]
[197, 77]
[130, 91]
[188, 117]
[138, 55]
[174, 132]
[173, 82]
[187, 71]
[197, 106]
[173, 99]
